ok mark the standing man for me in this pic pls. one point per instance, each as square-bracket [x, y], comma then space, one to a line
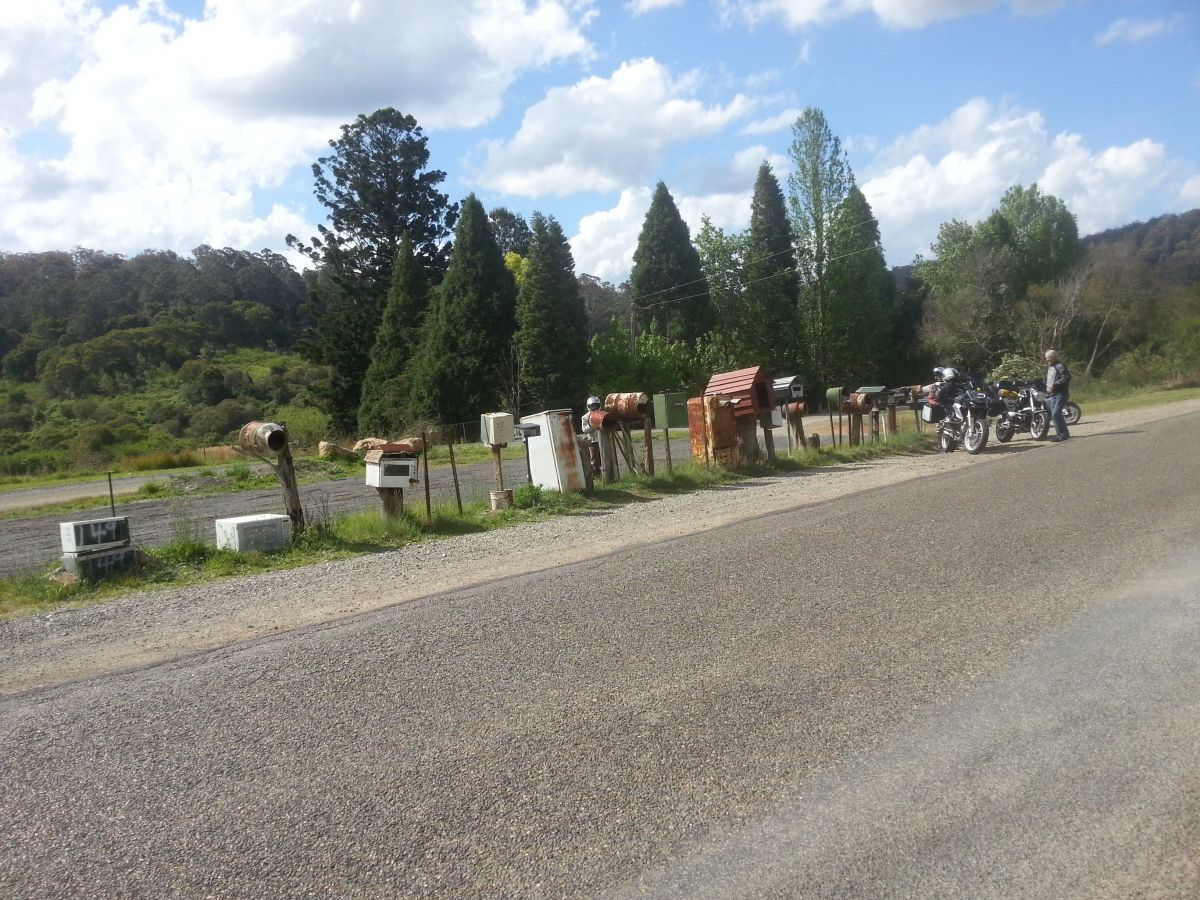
[1058, 386]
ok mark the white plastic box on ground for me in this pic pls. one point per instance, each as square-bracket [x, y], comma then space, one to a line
[94, 534]
[250, 534]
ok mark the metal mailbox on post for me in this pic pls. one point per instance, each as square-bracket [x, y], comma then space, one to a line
[670, 410]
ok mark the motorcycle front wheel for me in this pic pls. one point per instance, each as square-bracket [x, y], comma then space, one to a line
[1040, 424]
[1071, 412]
[975, 436]
[1004, 430]
[946, 440]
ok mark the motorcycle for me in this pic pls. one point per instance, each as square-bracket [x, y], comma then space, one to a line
[960, 411]
[1071, 412]
[1025, 410]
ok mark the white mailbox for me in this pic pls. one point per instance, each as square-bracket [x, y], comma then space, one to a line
[249, 534]
[553, 453]
[390, 470]
[496, 429]
[94, 534]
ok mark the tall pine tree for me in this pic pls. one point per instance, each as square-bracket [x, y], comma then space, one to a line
[384, 403]
[467, 352]
[377, 190]
[552, 326]
[861, 314]
[667, 282]
[770, 323]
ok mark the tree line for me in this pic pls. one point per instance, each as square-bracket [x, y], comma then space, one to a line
[419, 309]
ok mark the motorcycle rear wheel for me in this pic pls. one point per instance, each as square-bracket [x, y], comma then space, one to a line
[1071, 412]
[1040, 424]
[975, 437]
[1004, 430]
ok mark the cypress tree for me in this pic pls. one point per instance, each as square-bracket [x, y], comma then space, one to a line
[468, 338]
[770, 320]
[552, 328]
[667, 281]
[384, 392]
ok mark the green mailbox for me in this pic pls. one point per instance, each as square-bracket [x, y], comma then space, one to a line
[670, 410]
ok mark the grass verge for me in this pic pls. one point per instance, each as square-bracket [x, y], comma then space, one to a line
[187, 560]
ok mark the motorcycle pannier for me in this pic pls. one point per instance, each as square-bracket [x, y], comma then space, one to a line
[932, 413]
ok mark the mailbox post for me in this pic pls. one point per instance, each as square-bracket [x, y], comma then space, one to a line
[391, 467]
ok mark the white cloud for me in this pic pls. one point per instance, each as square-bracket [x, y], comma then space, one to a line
[961, 167]
[138, 128]
[1190, 192]
[604, 134]
[774, 123]
[641, 7]
[798, 14]
[606, 240]
[1131, 31]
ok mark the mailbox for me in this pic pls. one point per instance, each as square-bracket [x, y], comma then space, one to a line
[749, 389]
[788, 388]
[670, 410]
[527, 430]
[391, 469]
[496, 429]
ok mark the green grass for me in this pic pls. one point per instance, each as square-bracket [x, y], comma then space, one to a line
[1095, 401]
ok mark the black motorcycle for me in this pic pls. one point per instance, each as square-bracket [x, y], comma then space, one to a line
[1025, 410]
[961, 412]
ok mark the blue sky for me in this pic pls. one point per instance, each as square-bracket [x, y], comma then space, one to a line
[166, 124]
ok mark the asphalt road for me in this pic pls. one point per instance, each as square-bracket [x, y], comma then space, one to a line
[977, 685]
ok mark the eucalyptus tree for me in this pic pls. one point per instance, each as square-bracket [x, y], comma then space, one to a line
[820, 182]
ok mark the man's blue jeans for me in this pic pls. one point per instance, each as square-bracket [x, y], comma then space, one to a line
[1057, 402]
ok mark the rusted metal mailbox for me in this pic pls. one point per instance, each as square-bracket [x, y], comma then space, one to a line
[553, 452]
[712, 430]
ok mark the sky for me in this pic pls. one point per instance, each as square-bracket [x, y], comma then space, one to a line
[168, 124]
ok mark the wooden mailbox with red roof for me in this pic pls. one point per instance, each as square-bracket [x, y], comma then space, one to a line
[752, 390]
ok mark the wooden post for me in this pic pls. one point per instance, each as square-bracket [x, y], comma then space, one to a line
[648, 438]
[393, 502]
[453, 470]
[667, 444]
[285, 469]
[875, 426]
[768, 437]
[801, 443]
[425, 455]
[608, 457]
[585, 456]
[499, 467]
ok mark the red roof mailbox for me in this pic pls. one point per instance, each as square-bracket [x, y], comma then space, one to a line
[752, 390]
